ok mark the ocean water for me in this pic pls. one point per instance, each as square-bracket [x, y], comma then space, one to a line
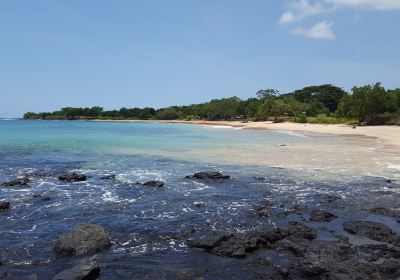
[149, 227]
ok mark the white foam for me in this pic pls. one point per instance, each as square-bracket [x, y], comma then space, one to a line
[393, 166]
[293, 133]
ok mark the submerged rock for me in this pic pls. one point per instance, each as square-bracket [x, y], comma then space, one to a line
[321, 216]
[259, 178]
[86, 238]
[17, 183]
[154, 184]
[4, 206]
[386, 212]
[208, 175]
[72, 177]
[83, 271]
[108, 177]
[330, 197]
[373, 230]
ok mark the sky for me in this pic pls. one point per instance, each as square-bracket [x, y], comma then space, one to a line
[137, 53]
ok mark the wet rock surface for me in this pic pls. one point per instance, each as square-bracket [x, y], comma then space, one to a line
[321, 216]
[108, 177]
[238, 245]
[88, 270]
[373, 230]
[72, 177]
[386, 212]
[154, 184]
[86, 238]
[203, 229]
[4, 206]
[211, 175]
[17, 183]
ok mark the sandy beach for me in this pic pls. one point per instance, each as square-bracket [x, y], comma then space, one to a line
[389, 134]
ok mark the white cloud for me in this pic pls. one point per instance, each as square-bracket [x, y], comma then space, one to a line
[287, 17]
[381, 5]
[321, 30]
[299, 10]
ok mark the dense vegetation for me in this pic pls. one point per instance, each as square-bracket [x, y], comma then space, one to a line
[371, 104]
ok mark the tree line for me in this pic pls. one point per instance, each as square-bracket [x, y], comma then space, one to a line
[370, 104]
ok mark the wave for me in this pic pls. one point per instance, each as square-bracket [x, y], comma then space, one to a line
[293, 133]
[223, 126]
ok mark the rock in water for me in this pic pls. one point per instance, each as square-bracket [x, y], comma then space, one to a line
[108, 177]
[18, 183]
[321, 216]
[154, 184]
[86, 238]
[386, 212]
[373, 230]
[208, 175]
[72, 177]
[82, 271]
[4, 206]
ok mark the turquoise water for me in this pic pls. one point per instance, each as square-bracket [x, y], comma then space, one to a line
[71, 140]
[148, 227]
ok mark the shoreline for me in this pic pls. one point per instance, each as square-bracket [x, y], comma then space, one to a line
[389, 134]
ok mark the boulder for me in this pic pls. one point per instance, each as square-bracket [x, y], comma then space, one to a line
[208, 175]
[72, 177]
[86, 238]
[83, 271]
[18, 183]
[373, 230]
[154, 184]
[321, 216]
[4, 206]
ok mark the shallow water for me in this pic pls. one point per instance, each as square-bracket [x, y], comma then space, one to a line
[148, 227]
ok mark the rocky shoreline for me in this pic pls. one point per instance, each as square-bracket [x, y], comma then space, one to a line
[301, 242]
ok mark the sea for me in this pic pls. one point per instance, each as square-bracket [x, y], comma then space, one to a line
[149, 227]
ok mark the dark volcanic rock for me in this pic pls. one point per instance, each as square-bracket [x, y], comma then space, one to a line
[321, 216]
[86, 238]
[4, 206]
[83, 271]
[297, 210]
[208, 175]
[154, 184]
[42, 197]
[18, 183]
[210, 241]
[72, 177]
[238, 245]
[263, 211]
[386, 212]
[373, 230]
[108, 177]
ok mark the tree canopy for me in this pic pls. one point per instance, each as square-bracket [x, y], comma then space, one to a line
[366, 104]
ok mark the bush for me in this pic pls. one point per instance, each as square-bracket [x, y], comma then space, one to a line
[324, 119]
[302, 118]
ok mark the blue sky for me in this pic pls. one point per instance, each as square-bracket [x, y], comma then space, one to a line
[56, 53]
